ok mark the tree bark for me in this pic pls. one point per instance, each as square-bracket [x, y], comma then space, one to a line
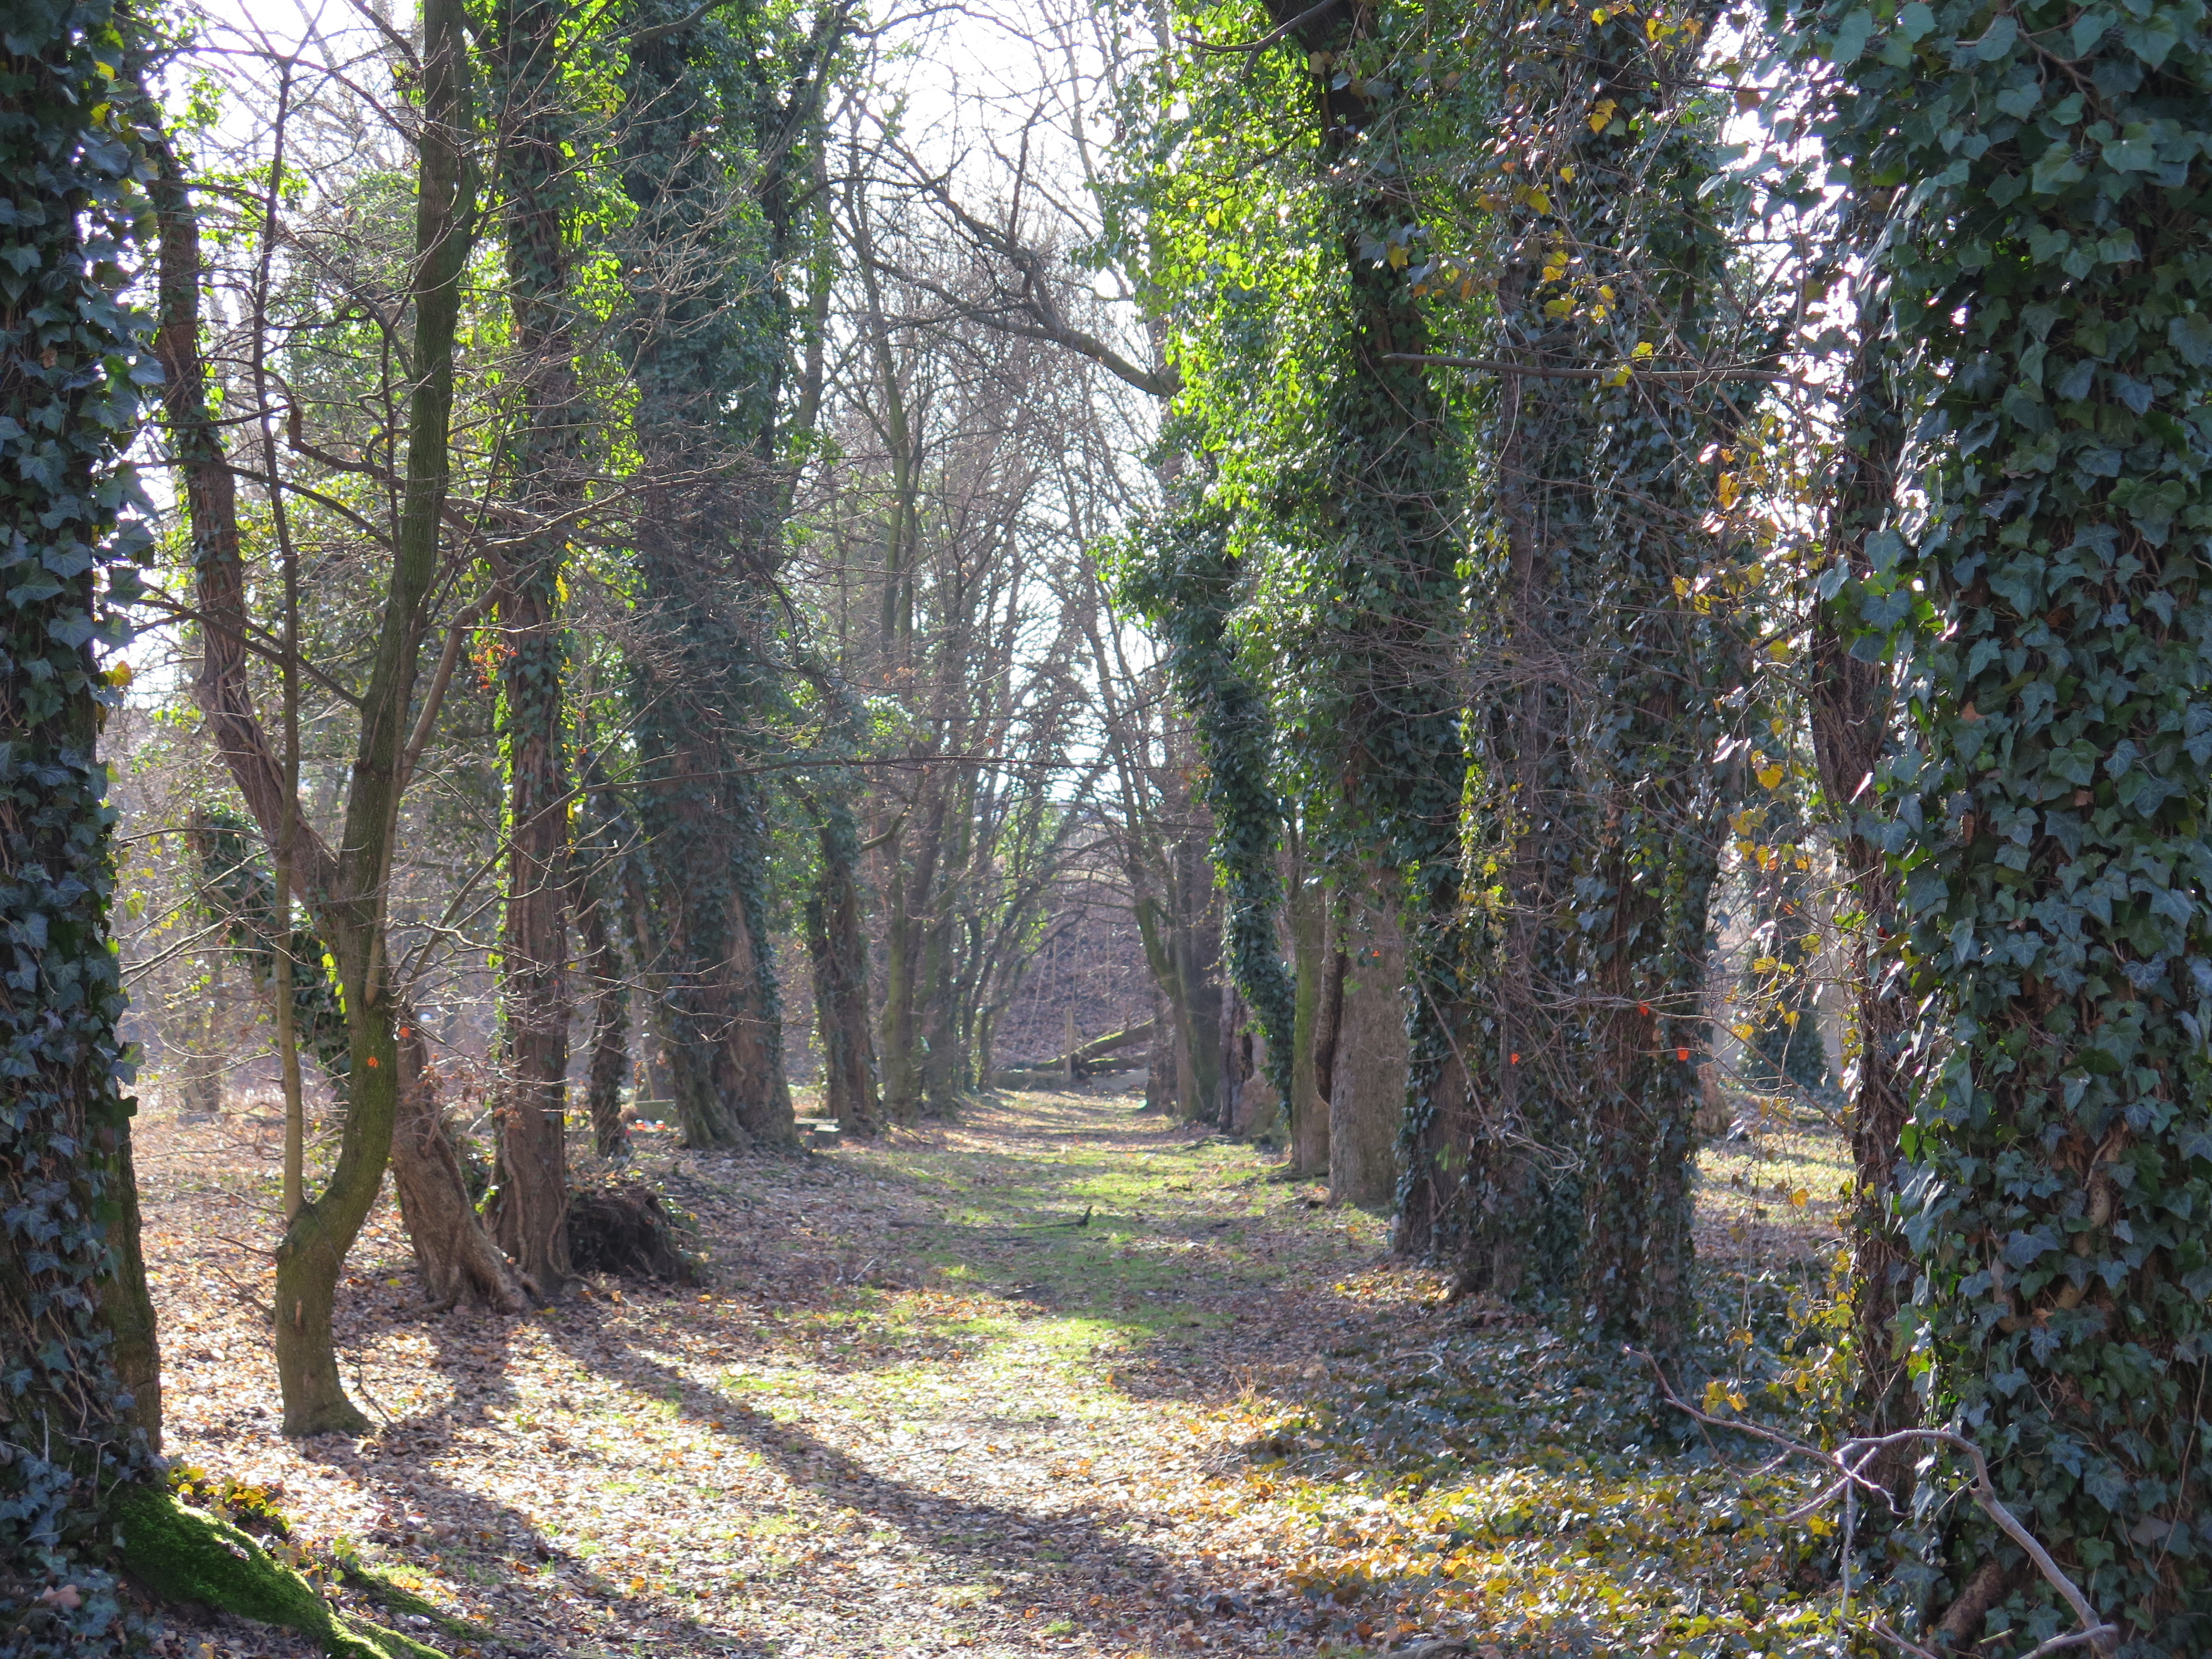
[839, 946]
[1308, 917]
[459, 1261]
[312, 1253]
[428, 1167]
[1368, 1081]
[531, 1214]
[600, 960]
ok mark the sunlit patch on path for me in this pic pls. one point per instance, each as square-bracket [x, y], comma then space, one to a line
[1032, 1383]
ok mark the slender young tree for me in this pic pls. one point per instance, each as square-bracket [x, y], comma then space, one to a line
[346, 885]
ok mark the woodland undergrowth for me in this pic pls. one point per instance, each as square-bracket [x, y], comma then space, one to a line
[920, 1404]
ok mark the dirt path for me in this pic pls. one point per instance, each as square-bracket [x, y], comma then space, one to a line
[984, 1388]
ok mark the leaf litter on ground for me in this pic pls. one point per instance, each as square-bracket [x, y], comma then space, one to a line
[915, 1408]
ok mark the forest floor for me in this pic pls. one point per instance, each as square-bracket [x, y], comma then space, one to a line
[1056, 1378]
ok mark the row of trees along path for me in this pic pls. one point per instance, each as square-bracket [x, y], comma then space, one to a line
[1590, 476]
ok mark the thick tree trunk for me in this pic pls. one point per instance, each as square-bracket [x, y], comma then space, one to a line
[1852, 716]
[1369, 1067]
[708, 542]
[901, 1081]
[531, 1214]
[126, 1306]
[1328, 1027]
[1621, 1060]
[77, 1328]
[1195, 940]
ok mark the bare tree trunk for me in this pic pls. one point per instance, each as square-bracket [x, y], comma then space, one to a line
[460, 1263]
[312, 1254]
[531, 1214]
[1328, 1024]
[345, 890]
[601, 963]
[1160, 1082]
[839, 946]
[1368, 1068]
[1197, 946]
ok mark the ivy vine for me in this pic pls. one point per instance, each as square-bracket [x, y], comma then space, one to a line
[72, 359]
[2050, 274]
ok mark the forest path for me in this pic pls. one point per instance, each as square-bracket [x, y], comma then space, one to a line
[913, 1409]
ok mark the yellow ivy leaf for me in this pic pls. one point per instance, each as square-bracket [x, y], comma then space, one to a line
[1559, 308]
[1642, 347]
[1802, 1197]
[1398, 256]
[1770, 777]
[1603, 112]
[1728, 490]
[1619, 377]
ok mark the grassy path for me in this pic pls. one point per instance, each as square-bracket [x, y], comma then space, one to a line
[1057, 1378]
[901, 1416]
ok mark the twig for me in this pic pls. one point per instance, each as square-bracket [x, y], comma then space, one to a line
[1308, 16]
[1851, 1457]
[1561, 372]
[360, 1381]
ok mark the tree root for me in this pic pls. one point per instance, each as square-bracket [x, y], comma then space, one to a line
[185, 1556]
[622, 1227]
[378, 1588]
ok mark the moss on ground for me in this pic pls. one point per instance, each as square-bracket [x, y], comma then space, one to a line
[182, 1555]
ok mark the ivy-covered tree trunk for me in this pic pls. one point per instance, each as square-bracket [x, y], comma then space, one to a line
[1380, 509]
[80, 1405]
[2051, 277]
[1190, 591]
[1522, 1238]
[1852, 708]
[1664, 648]
[543, 453]
[707, 328]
